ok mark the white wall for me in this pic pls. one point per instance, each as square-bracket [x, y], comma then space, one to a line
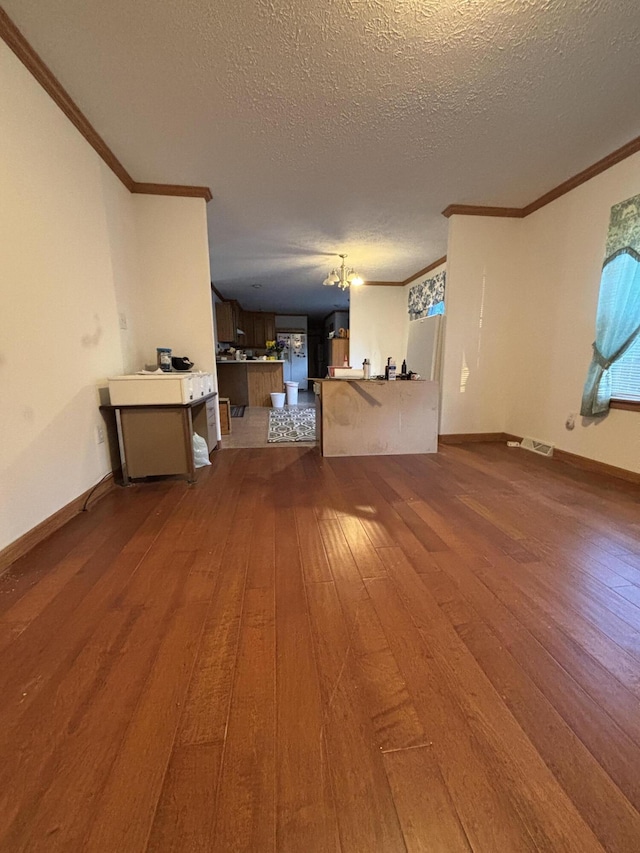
[59, 331]
[528, 358]
[378, 326]
[173, 297]
[563, 251]
[483, 279]
[78, 250]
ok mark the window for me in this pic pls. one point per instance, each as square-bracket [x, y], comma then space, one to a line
[612, 376]
[625, 374]
[427, 297]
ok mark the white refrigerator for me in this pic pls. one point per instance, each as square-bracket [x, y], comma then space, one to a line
[296, 363]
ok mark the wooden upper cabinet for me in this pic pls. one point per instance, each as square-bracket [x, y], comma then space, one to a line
[269, 327]
[245, 324]
[259, 333]
[225, 322]
[258, 326]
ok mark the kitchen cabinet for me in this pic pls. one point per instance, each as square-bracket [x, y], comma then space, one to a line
[259, 327]
[245, 324]
[226, 321]
[269, 327]
[250, 383]
[258, 338]
[338, 351]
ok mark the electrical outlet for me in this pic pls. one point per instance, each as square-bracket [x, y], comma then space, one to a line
[99, 435]
[122, 317]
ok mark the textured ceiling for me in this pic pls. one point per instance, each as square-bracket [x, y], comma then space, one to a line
[325, 126]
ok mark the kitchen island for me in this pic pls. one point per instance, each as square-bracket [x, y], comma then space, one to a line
[375, 417]
[249, 383]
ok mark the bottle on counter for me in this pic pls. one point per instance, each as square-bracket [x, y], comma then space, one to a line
[391, 368]
[403, 371]
[164, 359]
[366, 369]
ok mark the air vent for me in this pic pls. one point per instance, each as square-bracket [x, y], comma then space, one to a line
[537, 446]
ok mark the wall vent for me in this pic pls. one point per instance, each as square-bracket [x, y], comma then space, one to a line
[540, 447]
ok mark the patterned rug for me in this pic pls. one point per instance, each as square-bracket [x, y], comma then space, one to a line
[237, 411]
[292, 425]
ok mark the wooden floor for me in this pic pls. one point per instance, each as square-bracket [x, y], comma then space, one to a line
[434, 653]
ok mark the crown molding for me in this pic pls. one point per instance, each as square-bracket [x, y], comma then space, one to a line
[424, 271]
[172, 189]
[14, 40]
[585, 175]
[481, 210]
[411, 278]
[384, 283]
[565, 187]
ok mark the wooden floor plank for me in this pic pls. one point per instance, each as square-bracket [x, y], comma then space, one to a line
[588, 635]
[478, 789]
[529, 633]
[124, 815]
[427, 815]
[56, 772]
[366, 814]
[245, 808]
[306, 817]
[312, 554]
[608, 812]
[533, 787]
[186, 804]
[436, 652]
[364, 554]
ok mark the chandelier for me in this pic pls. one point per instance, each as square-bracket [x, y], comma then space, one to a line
[343, 277]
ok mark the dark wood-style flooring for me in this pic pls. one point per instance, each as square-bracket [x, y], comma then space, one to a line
[430, 653]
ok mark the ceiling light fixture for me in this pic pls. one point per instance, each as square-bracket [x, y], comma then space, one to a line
[343, 277]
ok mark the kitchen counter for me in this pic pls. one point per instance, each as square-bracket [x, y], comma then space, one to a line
[376, 417]
[250, 383]
[249, 361]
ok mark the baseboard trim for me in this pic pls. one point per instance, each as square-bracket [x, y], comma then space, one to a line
[41, 531]
[465, 437]
[595, 467]
[564, 456]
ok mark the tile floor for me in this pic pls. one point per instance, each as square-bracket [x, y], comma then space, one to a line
[251, 430]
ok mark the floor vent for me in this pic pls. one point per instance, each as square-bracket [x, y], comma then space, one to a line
[537, 446]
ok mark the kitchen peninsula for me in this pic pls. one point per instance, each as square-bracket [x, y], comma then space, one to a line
[357, 417]
[249, 383]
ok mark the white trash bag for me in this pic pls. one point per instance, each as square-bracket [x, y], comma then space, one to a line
[200, 451]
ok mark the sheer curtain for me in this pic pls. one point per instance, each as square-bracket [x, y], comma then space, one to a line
[617, 326]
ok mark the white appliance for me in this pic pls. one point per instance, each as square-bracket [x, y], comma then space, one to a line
[296, 364]
[159, 388]
[424, 348]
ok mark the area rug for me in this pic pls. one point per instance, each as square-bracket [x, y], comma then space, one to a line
[237, 411]
[292, 425]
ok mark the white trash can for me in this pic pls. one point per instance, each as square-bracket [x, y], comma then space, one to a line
[277, 400]
[292, 393]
